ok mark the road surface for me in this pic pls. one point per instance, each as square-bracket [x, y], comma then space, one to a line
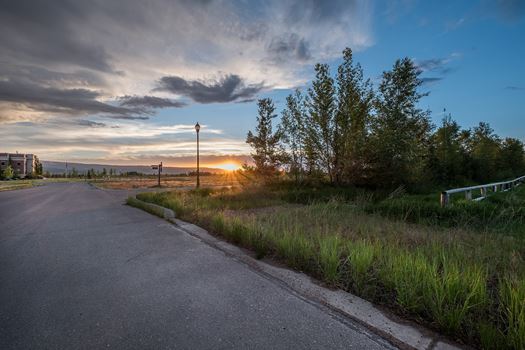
[80, 270]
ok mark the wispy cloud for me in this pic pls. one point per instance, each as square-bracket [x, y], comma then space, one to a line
[64, 140]
[439, 66]
[514, 88]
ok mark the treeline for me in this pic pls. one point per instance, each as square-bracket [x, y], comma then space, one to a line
[346, 132]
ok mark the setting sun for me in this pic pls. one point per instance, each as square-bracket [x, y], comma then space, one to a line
[228, 166]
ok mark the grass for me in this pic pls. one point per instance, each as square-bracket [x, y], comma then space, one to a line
[226, 179]
[21, 184]
[502, 212]
[466, 281]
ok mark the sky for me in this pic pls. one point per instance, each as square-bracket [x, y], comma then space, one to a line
[125, 81]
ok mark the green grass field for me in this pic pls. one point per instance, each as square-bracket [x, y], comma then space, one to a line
[452, 269]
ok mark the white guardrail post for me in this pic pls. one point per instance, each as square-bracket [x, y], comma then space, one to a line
[497, 186]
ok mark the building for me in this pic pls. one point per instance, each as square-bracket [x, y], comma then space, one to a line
[22, 164]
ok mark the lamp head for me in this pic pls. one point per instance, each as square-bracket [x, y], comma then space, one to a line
[197, 127]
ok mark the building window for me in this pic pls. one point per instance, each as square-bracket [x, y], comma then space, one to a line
[3, 163]
[18, 164]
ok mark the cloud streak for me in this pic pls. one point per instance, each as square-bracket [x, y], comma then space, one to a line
[227, 88]
[438, 66]
[58, 101]
[149, 102]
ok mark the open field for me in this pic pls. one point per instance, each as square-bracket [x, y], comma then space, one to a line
[227, 179]
[466, 280]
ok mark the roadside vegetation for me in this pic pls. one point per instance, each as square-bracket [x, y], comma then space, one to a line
[346, 188]
[467, 282]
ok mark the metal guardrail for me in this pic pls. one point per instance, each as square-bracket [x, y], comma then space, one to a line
[496, 186]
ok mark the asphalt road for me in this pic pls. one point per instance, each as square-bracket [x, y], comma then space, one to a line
[80, 270]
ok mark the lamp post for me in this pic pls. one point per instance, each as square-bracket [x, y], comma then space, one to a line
[197, 129]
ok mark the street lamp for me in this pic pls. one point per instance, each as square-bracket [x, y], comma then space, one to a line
[197, 129]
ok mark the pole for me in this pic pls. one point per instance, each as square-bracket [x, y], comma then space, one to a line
[160, 167]
[198, 170]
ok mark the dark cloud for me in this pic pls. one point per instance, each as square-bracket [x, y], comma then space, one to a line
[126, 116]
[514, 88]
[150, 102]
[60, 101]
[430, 80]
[91, 124]
[291, 47]
[228, 88]
[438, 66]
[42, 31]
[435, 65]
[48, 77]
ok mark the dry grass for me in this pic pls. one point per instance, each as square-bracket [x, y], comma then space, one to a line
[229, 179]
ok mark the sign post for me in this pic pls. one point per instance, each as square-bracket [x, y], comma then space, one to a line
[159, 167]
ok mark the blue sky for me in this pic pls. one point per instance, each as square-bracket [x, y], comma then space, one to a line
[126, 86]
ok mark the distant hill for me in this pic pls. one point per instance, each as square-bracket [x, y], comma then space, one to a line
[60, 168]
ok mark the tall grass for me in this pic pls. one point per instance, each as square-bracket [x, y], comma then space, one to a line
[512, 294]
[470, 285]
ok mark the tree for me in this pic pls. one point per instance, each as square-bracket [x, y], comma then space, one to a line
[354, 97]
[38, 167]
[511, 158]
[320, 124]
[268, 154]
[401, 130]
[447, 158]
[484, 151]
[294, 132]
[8, 172]
[74, 172]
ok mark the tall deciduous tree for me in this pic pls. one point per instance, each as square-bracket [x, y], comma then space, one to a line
[400, 130]
[321, 122]
[447, 157]
[294, 132]
[268, 154]
[484, 150]
[354, 105]
[512, 158]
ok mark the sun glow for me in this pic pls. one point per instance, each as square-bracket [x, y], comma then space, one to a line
[227, 166]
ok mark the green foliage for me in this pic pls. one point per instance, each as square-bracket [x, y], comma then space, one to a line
[400, 131]
[344, 132]
[268, 154]
[320, 124]
[8, 172]
[294, 133]
[502, 212]
[352, 123]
